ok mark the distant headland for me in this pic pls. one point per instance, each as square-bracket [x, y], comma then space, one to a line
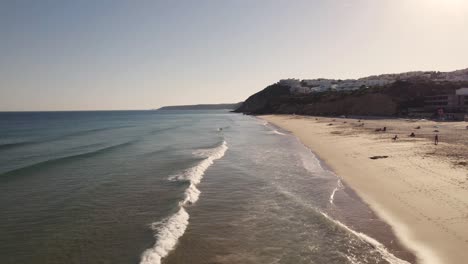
[202, 107]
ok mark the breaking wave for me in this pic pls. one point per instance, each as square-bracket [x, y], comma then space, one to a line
[167, 234]
[339, 186]
[277, 132]
[171, 229]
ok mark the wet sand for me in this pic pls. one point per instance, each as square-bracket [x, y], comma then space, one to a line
[419, 188]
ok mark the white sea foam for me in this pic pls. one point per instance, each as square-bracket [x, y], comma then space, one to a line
[195, 173]
[311, 162]
[277, 132]
[339, 186]
[206, 153]
[191, 195]
[167, 234]
[376, 244]
[273, 131]
[424, 253]
[170, 230]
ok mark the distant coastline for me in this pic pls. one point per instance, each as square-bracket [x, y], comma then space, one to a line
[202, 107]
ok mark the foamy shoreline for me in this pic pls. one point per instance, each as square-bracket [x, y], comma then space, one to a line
[423, 198]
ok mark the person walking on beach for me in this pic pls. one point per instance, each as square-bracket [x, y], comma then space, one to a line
[436, 139]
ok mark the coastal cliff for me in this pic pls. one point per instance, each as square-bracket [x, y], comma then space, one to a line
[265, 101]
[397, 98]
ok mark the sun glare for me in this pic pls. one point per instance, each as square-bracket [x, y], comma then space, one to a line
[449, 9]
[445, 3]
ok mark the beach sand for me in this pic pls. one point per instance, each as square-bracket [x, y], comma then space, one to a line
[420, 189]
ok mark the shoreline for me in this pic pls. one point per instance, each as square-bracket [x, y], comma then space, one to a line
[349, 211]
[422, 197]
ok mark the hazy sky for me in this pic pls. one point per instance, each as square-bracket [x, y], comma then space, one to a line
[98, 54]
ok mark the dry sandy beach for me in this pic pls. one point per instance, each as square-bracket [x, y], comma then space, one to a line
[420, 189]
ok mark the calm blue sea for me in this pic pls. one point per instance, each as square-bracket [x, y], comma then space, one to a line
[172, 187]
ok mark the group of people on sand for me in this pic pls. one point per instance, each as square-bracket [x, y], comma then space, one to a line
[384, 129]
[436, 138]
[395, 138]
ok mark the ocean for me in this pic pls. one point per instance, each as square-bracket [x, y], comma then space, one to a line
[173, 187]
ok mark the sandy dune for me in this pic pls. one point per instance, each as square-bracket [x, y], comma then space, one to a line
[420, 189]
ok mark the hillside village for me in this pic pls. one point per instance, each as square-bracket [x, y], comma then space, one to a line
[321, 85]
[421, 94]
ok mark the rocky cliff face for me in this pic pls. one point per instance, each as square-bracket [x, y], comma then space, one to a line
[393, 99]
[367, 104]
[264, 101]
